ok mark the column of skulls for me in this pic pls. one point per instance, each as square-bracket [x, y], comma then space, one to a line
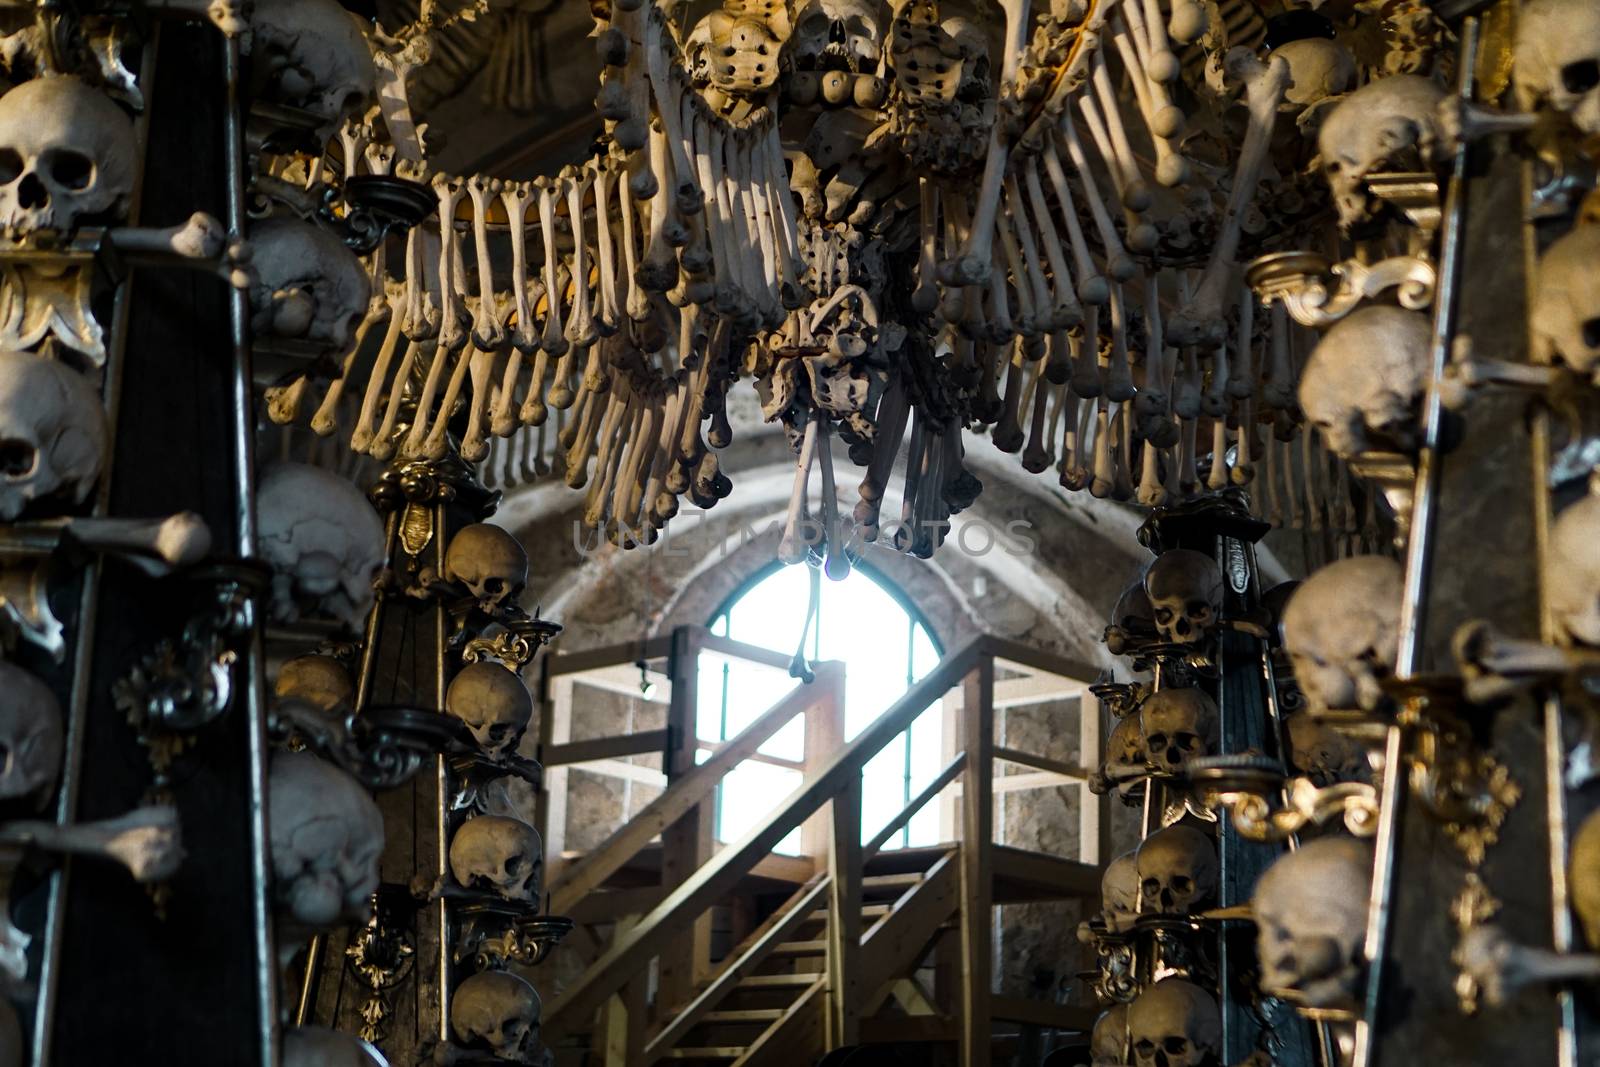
[71, 160]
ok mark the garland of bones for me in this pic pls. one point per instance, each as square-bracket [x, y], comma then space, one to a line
[1084, 301]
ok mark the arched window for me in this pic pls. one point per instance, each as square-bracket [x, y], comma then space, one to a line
[885, 646]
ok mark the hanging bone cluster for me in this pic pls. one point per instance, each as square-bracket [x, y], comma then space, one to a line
[1074, 284]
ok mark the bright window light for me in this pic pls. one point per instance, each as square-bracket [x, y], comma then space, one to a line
[884, 646]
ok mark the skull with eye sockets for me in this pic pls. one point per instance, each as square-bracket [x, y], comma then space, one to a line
[1557, 60]
[1311, 920]
[1174, 1023]
[499, 854]
[491, 563]
[1179, 725]
[494, 704]
[67, 157]
[1177, 869]
[1185, 590]
[498, 1012]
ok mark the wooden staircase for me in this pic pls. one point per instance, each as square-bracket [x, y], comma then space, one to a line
[854, 935]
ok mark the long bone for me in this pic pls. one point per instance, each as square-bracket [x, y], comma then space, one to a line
[581, 331]
[1007, 434]
[724, 245]
[524, 338]
[658, 270]
[635, 304]
[1152, 493]
[1092, 285]
[1278, 385]
[1000, 324]
[1295, 503]
[383, 442]
[640, 438]
[1104, 474]
[777, 183]
[1122, 460]
[664, 457]
[760, 249]
[435, 443]
[621, 411]
[972, 265]
[1119, 374]
[1242, 380]
[686, 192]
[1105, 125]
[609, 318]
[1085, 381]
[1065, 310]
[599, 412]
[1200, 320]
[640, 465]
[354, 136]
[1244, 468]
[1077, 475]
[1119, 265]
[1070, 465]
[554, 339]
[1188, 461]
[533, 411]
[1153, 398]
[1036, 455]
[1310, 463]
[415, 320]
[893, 410]
[380, 309]
[790, 549]
[361, 435]
[283, 401]
[488, 332]
[1274, 503]
[1040, 290]
[474, 442]
[452, 322]
[1162, 118]
[1218, 476]
[836, 564]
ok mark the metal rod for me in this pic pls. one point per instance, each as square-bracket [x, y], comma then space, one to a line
[1419, 566]
[1425, 500]
[1378, 904]
[253, 666]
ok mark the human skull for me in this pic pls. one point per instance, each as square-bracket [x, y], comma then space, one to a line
[493, 702]
[1342, 632]
[1575, 571]
[67, 157]
[1185, 591]
[497, 1011]
[1363, 385]
[307, 284]
[1311, 920]
[499, 854]
[736, 46]
[320, 681]
[1318, 69]
[842, 35]
[52, 432]
[1322, 753]
[312, 55]
[1177, 869]
[1125, 750]
[323, 540]
[1179, 725]
[327, 835]
[1119, 892]
[1388, 124]
[31, 737]
[1133, 620]
[1174, 1023]
[1583, 876]
[1108, 1042]
[1556, 59]
[1566, 302]
[490, 562]
[317, 1046]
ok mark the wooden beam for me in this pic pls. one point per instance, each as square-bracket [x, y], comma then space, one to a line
[686, 841]
[615, 768]
[844, 917]
[627, 954]
[897, 940]
[1025, 875]
[612, 905]
[647, 742]
[778, 928]
[680, 798]
[1043, 763]
[623, 679]
[1045, 1013]
[977, 828]
[907, 813]
[609, 656]
[1010, 652]
[1033, 689]
[555, 727]
[1094, 811]
[727, 646]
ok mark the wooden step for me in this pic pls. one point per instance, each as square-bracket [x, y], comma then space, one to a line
[777, 981]
[750, 1015]
[715, 1052]
[891, 881]
[868, 911]
[801, 948]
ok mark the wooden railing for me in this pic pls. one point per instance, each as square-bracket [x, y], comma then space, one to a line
[670, 932]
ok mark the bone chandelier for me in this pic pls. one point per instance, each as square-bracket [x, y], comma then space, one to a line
[900, 228]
